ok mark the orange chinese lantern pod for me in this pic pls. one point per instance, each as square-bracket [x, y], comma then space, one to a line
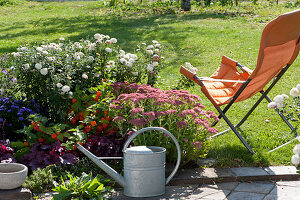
[105, 112]
[54, 136]
[40, 140]
[93, 123]
[32, 123]
[74, 100]
[26, 144]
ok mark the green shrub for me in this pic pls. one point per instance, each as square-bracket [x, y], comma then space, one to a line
[40, 181]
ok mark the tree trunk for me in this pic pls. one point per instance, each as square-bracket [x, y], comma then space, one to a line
[186, 5]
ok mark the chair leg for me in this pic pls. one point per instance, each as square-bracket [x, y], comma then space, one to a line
[283, 118]
[236, 131]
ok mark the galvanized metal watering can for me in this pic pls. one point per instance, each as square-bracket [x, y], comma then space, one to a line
[144, 167]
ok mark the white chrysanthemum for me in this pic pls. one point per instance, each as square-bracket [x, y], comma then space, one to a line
[128, 64]
[296, 149]
[70, 94]
[272, 105]
[285, 96]
[61, 39]
[131, 60]
[194, 70]
[155, 64]
[38, 66]
[298, 87]
[295, 159]
[113, 40]
[122, 52]
[98, 36]
[51, 58]
[107, 42]
[111, 63]
[154, 42]
[279, 99]
[133, 56]
[150, 52]
[157, 46]
[150, 47]
[188, 65]
[65, 88]
[44, 71]
[294, 92]
[24, 48]
[97, 75]
[156, 51]
[85, 76]
[123, 60]
[45, 52]
[109, 50]
[26, 66]
[92, 46]
[39, 49]
[59, 85]
[91, 58]
[16, 54]
[150, 67]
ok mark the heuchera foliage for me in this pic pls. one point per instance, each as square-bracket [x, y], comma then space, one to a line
[6, 152]
[42, 155]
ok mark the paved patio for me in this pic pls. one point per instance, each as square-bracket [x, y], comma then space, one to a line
[246, 183]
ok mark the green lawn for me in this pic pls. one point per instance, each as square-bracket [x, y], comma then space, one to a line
[200, 37]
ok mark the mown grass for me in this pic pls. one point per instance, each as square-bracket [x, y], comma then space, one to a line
[201, 37]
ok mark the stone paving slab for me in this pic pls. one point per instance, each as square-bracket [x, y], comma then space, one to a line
[15, 194]
[284, 193]
[245, 196]
[262, 188]
[249, 171]
[208, 193]
[172, 192]
[281, 170]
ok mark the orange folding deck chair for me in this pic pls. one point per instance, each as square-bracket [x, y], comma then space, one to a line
[279, 47]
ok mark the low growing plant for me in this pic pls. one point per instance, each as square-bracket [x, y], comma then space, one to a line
[40, 181]
[83, 187]
[177, 111]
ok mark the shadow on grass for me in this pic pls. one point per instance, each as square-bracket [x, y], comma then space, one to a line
[128, 30]
[236, 155]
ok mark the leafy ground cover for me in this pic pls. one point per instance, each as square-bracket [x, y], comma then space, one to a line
[200, 37]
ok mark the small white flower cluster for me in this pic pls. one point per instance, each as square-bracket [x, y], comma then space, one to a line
[278, 101]
[191, 68]
[296, 158]
[153, 48]
[127, 58]
[64, 89]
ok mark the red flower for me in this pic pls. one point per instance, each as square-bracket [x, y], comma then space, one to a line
[98, 94]
[88, 128]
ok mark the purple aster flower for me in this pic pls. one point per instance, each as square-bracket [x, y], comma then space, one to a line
[138, 122]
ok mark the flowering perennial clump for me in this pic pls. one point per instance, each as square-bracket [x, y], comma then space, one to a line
[175, 110]
[51, 72]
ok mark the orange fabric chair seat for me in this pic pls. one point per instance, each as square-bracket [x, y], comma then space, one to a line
[222, 92]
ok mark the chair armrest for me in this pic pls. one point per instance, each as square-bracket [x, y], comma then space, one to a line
[187, 73]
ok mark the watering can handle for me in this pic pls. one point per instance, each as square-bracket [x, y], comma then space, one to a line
[166, 132]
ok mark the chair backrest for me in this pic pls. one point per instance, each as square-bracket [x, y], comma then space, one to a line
[279, 46]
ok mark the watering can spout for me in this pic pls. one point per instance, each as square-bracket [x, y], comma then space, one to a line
[110, 171]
